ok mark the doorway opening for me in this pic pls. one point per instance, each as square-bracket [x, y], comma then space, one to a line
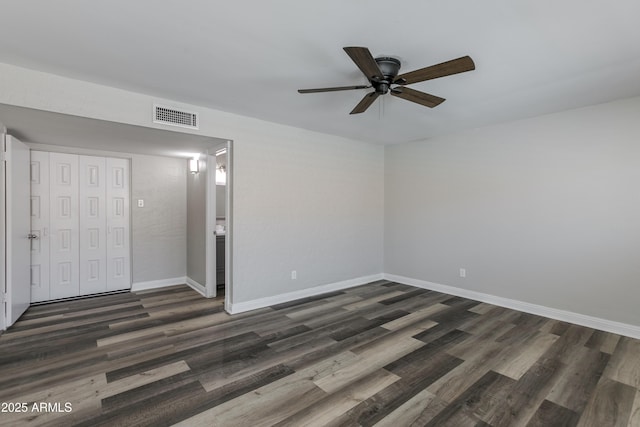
[158, 179]
[219, 221]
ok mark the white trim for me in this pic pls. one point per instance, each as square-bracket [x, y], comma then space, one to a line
[255, 304]
[625, 329]
[229, 233]
[3, 225]
[154, 284]
[210, 227]
[196, 286]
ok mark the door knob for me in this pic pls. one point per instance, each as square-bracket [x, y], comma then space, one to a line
[32, 236]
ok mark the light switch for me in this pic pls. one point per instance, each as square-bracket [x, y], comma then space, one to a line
[140, 203]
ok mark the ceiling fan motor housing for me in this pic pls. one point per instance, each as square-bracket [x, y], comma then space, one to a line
[389, 67]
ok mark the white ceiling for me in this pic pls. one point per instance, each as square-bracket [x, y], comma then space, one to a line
[249, 57]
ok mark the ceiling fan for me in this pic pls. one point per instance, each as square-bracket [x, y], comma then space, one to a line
[382, 73]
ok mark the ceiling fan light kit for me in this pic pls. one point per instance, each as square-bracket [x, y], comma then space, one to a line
[382, 74]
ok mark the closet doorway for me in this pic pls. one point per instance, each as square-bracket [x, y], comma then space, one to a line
[80, 221]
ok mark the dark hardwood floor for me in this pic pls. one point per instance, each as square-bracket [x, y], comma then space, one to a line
[382, 354]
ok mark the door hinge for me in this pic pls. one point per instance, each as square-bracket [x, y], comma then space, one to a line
[3, 297]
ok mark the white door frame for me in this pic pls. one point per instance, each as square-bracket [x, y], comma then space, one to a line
[211, 224]
[210, 213]
[3, 237]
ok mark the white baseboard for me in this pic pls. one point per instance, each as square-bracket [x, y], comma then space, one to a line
[540, 310]
[154, 284]
[240, 307]
[196, 286]
[625, 329]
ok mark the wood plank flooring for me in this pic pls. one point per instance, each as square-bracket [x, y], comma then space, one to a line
[382, 354]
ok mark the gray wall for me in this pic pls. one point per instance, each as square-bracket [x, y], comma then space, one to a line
[306, 202]
[544, 210]
[221, 200]
[324, 218]
[160, 228]
[197, 224]
[221, 190]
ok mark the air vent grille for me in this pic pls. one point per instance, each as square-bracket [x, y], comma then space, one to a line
[171, 116]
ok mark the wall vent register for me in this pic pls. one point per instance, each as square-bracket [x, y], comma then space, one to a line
[173, 117]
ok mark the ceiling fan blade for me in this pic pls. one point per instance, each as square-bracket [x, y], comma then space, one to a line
[364, 60]
[332, 89]
[416, 96]
[448, 68]
[365, 103]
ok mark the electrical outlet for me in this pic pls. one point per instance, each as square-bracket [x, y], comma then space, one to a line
[140, 203]
[294, 274]
[463, 272]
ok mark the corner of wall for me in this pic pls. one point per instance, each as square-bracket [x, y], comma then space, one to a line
[620, 328]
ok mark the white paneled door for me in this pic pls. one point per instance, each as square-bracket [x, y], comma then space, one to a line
[93, 225]
[118, 259]
[40, 204]
[65, 226]
[17, 231]
[81, 213]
